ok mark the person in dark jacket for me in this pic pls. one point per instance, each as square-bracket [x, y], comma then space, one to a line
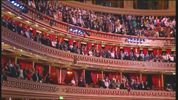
[36, 76]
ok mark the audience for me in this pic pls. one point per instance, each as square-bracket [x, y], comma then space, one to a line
[149, 26]
[84, 50]
[16, 71]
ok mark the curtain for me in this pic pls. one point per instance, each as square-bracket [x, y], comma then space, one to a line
[134, 76]
[155, 52]
[64, 71]
[54, 74]
[114, 74]
[25, 64]
[159, 51]
[127, 49]
[4, 60]
[145, 51]
[34, 32]
[76, 76]
[71, 42]
[89, 45]
[39, 68]
[107, 47]
[98, 47]
[144, 77]
[155, 81]
[168, 51]
[94, 77]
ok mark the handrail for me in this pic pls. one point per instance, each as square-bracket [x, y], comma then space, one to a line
[24, 88]
[29, 45]
[117, 40]
[93, 32]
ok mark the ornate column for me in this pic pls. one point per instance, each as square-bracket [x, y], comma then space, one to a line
[84, 74]
[121, 76]
[49, 70]
[159, 81]
[102, 74]
[16, 58]
[60, 74]
[33, 65]
[128, 4]
[140, 77]
[162, 81]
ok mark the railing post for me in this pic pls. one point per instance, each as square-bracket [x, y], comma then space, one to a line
[102, 74]
[121, 76]
[16, 58]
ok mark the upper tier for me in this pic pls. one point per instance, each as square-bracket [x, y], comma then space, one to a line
[126, 11]
[98, 37]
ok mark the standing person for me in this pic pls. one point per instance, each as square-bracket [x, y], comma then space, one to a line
[36, 76]
[21, 74]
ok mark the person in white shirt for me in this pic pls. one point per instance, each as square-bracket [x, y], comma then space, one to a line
[73, 82]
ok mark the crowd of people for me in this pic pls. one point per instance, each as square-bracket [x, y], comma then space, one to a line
[84, 50]
[149, 26]
[123, 84]
[16, 71]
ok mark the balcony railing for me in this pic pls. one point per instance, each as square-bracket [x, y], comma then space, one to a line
[16, 88]
[19, 41]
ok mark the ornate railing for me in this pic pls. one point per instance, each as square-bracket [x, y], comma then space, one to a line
[107, 38]
[29, 89]
[19, 41]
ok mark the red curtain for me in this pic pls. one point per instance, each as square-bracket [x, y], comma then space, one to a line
[89, 45]
[114, 48]
[34, 32]
[98, 47]
[95, 76]
[134, 76]
[39, 68]
[155, 52]
[145, 51]
[24, 64]
[4, 60]
[53, 74]
[155, 81]
[64, 71]
[71, 42]
[114, 74]
[45, 34]
[144, 78]
[108, 47]
[168, 51]
[159, 51]
[78, 44]
[127, 49]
